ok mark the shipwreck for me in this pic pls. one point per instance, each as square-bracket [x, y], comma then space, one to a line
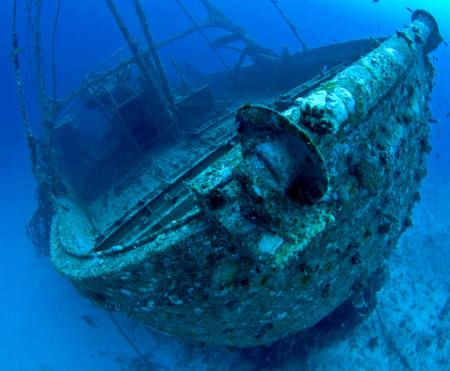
[240, 206]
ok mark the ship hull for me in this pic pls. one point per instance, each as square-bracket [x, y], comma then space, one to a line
[287, 224]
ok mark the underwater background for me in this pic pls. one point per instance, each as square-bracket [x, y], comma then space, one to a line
[46, 325]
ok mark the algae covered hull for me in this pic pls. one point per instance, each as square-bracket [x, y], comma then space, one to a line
[285, 218]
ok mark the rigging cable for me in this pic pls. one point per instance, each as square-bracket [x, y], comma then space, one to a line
[43, 99]
[202, 33]
[31, 141]
[129, 341]
[290, 24]
[38, 228]
[55, 26]
[391, 343]
[29, 42]
[54, 104]
[158, 67]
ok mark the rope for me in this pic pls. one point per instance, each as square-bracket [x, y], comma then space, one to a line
[38, 229]
[54, 104]
[153, 52]
[55, 26]
[31, 141]
[392, 343]
[129, 341]
[38, 56]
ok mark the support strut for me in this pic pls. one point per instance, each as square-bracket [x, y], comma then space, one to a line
[290, 24]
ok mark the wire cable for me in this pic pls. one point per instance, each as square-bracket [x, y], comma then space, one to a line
[129, 341]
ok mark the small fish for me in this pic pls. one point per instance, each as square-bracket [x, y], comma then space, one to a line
[89, 320]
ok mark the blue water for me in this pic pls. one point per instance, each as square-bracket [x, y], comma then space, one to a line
[44, 323]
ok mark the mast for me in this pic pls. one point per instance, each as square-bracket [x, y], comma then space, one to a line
[290, 24]
[150, 73]
[153, 52]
